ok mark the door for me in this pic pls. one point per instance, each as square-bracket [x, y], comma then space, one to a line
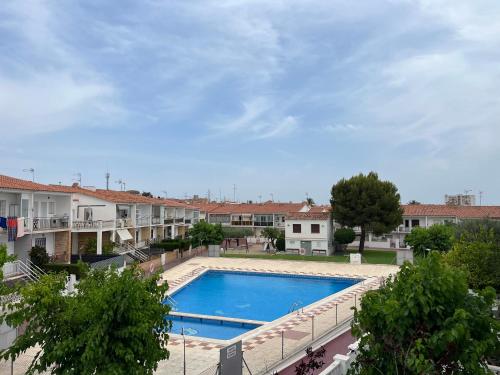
[306, 245]
[43, 209]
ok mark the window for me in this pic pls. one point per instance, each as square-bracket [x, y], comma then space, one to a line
[41, 242]
[314, 228]
[52, 208]
[14, 210]
[87, 214]
[415, 223]
[407, 223]
[297, 228]
[24, 207]
[3, 208]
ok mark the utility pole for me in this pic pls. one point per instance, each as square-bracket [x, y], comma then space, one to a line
[107, 180]
[220, 195]
[208, 195]
[481, 197]
[260, 198]
[234, 193]
[272, 197]
[32, 171]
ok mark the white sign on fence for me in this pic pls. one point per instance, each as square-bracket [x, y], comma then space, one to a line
[355, 258]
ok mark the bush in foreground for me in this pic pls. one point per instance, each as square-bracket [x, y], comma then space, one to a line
[425, 321]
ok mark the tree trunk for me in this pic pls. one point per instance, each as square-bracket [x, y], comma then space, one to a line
[362, 239]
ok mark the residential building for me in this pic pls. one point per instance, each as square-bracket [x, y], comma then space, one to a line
[254, 216]
[309, 233]
[42, 215]
[460, 200]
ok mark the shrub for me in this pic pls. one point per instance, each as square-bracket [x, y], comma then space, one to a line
[344, 236]
[39, 256]
[437, 237]
[236, 232]
[80, 269]
[280, 242]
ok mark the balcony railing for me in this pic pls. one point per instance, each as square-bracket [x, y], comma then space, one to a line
[263, 224]
[179, 220]
[243, 222]
[93, 224]
[187, 221]
[156, 220]
[143, 220]
[123, 223]
[45, 223]
[168, 221]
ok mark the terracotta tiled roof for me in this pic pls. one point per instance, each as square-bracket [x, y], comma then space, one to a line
[461, 212]
[7, 182]
[256, 208]
[309, 215]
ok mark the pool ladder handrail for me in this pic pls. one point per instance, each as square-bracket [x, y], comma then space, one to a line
[295, 306]
[172, 302]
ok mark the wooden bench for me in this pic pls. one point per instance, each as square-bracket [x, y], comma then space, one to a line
[318, 252]
[292, 251]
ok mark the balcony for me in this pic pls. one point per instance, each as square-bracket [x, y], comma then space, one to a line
[93, 224]
[241, 223]
[48, 223]
[168, 221]
[143, 221]
[187, 221]
[123, 223]
[156, 220]
[179, 220]
[263, 224]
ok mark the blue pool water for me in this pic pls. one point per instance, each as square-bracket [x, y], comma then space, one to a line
[209, 328]
[253, 296]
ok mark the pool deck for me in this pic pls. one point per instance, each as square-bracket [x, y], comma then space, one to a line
[262, 346]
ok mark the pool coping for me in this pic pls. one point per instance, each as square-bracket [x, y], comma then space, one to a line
[283, 323]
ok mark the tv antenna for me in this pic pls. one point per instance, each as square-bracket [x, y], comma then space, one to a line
[78, 178]
[122, 184]
[32, 171]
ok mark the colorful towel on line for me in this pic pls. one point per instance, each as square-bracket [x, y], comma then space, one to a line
[11, 228]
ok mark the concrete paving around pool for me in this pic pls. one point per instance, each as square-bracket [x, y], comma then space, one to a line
[262, 346]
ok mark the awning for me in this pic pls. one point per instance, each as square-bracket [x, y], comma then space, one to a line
[124, 234]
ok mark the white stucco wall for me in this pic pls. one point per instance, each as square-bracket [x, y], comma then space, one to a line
[101, 210]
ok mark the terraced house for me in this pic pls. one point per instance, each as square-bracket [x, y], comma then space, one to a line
[68, 220]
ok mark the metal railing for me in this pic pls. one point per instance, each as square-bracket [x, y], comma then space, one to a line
[123, 223]
[179, 220]
[143, 220]
[27, 269]
[130, 250]
[156, 220]
[93, 224]
[44, 223]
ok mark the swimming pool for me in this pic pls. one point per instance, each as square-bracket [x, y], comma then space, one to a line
[253, 295]
[211, 328]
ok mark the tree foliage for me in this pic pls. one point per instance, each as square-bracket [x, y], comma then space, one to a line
[437, 237]
[113, 324]
[230, 232]
[271, 234]
[477, 252]
[366, 202]
[39, 256]
[281, 242]
[312, 362]
[344, 236]
[425, 321]
[4, 258]
[204, 233]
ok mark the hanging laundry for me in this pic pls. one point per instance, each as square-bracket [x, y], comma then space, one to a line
[3, 222]
[11, 228]
[20, 227]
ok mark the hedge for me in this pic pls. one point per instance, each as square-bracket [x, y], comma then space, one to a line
[78, 269]
[171, 245]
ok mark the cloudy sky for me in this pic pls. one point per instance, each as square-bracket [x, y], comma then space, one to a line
[281, 96]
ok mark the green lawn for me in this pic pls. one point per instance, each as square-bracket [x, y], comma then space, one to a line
[369, 256]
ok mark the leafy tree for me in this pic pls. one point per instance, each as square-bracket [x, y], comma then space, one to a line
[147, 194]
[271, 234]
[484, 230]
[310, 202]
[425, 321]
[236, 232]
[343, 236]
[113, 324]
[413, 201]
[90, 246]
[314, 361]
[39, 256]
[204, 233]
[4, 258]
[438, 237]
[479, 257]
[366, 202]
[280, 242]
